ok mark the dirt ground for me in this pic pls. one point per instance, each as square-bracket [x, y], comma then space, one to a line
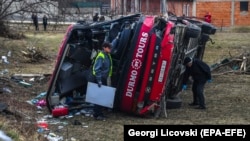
[227, 99]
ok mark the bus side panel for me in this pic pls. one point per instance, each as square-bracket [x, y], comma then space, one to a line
[134, 69]
[164, 64]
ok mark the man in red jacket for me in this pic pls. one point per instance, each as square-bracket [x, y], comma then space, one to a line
[208, 17]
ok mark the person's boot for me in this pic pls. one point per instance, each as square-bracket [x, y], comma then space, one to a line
[103, 118]
[201, 107]
[193, 104]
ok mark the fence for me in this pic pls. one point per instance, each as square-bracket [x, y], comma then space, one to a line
[26, 26]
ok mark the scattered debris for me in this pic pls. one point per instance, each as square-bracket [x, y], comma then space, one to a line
[33, 54]
[4, 71]
[38, 100]
[4, 110]
[42, 124]
[41, 103]
[53, 137]
[19, 78]
[25, 84]
[60, 111]
[5, 60]
[3, 107]
[77, 122]
[7, 90]
[237, 64]
[4, 137]
[5, 85]
[9, 53]
[29, 75]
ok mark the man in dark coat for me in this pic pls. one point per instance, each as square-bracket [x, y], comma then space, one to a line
[96, 17]
[45, 22]
[35, 21]
[102, 19]
[200, 72]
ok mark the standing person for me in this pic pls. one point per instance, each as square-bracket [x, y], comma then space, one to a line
[208, 17]
[102, 19]
[32, 17]
[201, 74]
[102, 69]
[96, 17]
[45, 21]
[35, 21]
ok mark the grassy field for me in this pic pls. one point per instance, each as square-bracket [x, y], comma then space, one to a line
[226, 44]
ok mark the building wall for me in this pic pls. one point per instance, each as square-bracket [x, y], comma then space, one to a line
[176, 7]
[225, 13]
[221, 12]
[116, 7]
[241, 18]
[151, 8]
[173, 6]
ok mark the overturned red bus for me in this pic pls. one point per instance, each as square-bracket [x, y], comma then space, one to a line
[147, 55]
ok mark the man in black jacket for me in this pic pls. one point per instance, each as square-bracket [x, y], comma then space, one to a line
[201, 74]
[96, 17]
[45, 22]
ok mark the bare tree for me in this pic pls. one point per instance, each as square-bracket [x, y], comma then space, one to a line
[56, 10]
[21, 9]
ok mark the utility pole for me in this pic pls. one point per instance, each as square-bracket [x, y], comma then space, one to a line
[147, 6]
[136, 6]
[122, 2]
[164, 8]
[125, 6]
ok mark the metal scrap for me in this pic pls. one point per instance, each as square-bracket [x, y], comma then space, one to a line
[33, 54]
[235, 64]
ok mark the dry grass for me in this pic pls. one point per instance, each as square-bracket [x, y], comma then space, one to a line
[226, 45]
